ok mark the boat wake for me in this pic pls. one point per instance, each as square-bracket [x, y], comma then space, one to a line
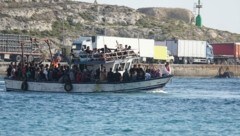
[158, 91]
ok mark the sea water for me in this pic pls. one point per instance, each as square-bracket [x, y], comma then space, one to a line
[185, 107]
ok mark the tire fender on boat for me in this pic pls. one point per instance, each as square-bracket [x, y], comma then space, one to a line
[68, 87]
[24, 86]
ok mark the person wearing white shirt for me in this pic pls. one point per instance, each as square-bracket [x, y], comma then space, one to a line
[147, 75]
[167, 70]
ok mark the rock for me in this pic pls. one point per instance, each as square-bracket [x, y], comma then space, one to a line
[212, 34]
[169, 13]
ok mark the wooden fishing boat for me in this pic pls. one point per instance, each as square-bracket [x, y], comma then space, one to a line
[15, 85]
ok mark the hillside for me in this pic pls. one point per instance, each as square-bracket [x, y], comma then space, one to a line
[68, 20]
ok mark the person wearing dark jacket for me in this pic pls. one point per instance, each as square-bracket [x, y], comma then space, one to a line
[110, 76]
[126, 77]
[117, 76]
[140, 73]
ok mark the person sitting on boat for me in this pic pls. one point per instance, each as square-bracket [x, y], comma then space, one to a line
[45, 72]
[88, 51]
[126, 46]
[167, 70]
[105, 49]
[158, 73]
[129, 47]
[147, 75]
[110, 76]
[126, 77]
[117, 76]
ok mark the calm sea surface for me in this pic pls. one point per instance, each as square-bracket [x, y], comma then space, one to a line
[185, 107]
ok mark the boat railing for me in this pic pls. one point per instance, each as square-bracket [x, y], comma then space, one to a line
[109, 56]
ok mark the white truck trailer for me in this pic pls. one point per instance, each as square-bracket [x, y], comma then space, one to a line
[143, 47]
[190, 51]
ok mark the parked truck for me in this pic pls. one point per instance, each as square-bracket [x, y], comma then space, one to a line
[161, 53]
[226, 53]
[11, 50]
[190, 51]
[143, 47]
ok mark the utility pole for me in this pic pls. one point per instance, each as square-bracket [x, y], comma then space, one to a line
[95, 2]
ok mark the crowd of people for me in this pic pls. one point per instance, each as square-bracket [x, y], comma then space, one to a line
[104, 54]
[64, 73]
[105, 49]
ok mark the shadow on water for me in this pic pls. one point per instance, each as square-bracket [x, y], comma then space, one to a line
[2, 83]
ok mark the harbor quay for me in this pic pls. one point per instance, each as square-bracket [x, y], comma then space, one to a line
[187, 70]
[200, 70]
[203, 70]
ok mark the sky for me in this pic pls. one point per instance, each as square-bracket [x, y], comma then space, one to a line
[217, 14]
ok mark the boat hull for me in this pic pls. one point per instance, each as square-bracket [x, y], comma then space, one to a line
[15, 85]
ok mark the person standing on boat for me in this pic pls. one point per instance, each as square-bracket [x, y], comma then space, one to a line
[103, 75]
[110, 75]
[140, 73]
[9, 70]
[133, 70]
[106, 49]
[13, 72]
[167, 70]
[117, 76]
[45, 72]
[126, 77]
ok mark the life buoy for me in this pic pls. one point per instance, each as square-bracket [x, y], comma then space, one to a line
[30, 58]
[68, 87]
[24, 86]
[18, 58]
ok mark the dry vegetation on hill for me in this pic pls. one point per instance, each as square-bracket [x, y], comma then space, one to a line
[70, 19]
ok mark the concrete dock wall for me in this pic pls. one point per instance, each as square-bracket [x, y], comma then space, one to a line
[203, 70]
[3, 67]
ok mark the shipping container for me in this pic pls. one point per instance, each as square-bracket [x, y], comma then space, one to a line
[227, 49]
[226, 53]
[10, 48]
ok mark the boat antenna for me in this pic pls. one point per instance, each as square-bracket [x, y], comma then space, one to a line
[48, 43]
[138, 46]
[95, 2]
[21, 43]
